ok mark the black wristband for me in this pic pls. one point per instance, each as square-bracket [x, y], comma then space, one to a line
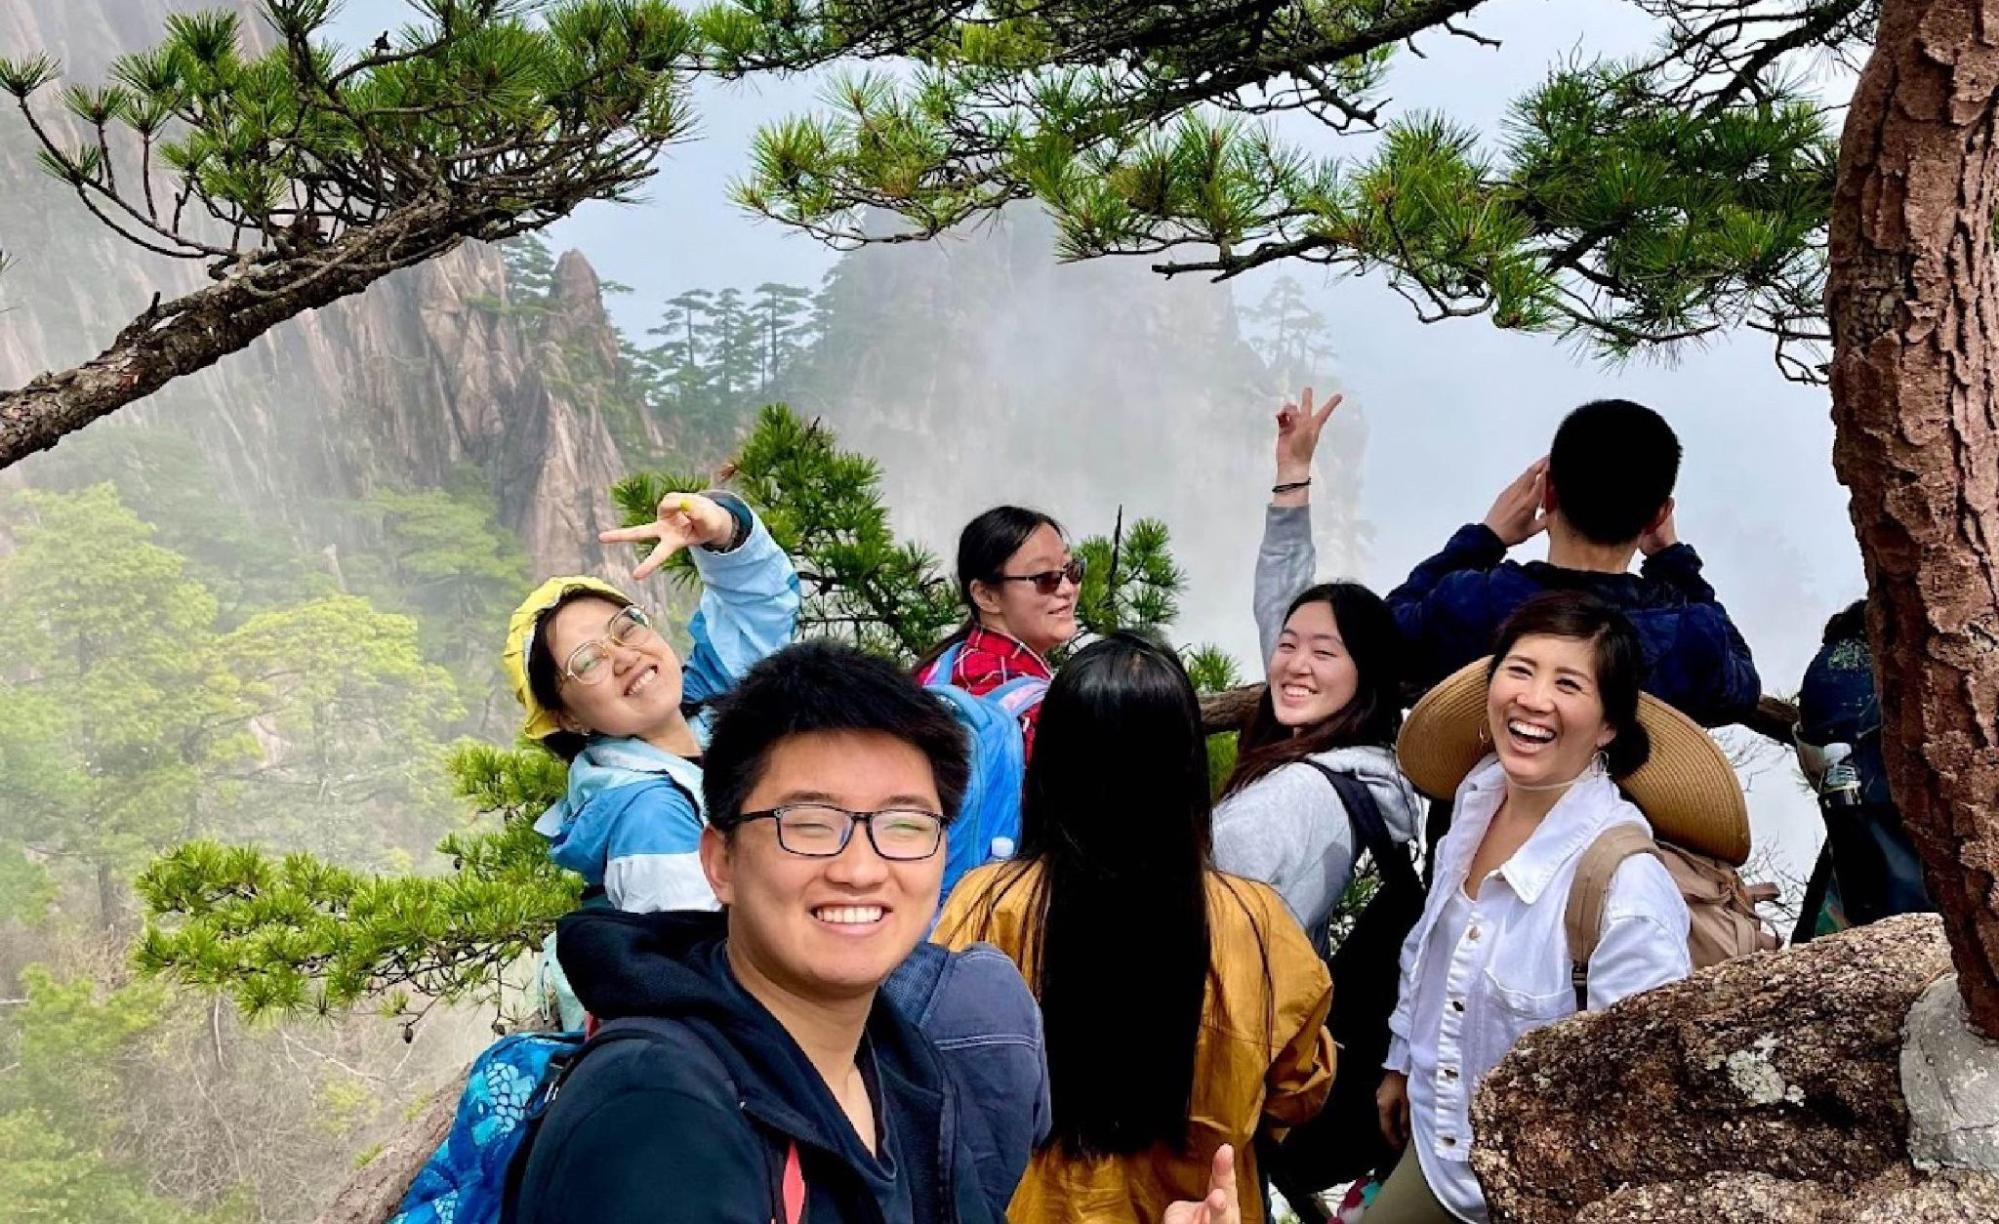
[1292, 487]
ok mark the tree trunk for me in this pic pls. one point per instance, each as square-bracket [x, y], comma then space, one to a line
[377, 1188]
[193, 332]
[1914, 312]
[108, 897]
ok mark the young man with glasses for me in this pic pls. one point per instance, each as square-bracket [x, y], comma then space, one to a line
[779, 1083]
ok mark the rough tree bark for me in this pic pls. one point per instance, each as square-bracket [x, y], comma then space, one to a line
[1914, 307]
[195, 331]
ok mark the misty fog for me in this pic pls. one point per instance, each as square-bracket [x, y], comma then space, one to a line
[1453, 410]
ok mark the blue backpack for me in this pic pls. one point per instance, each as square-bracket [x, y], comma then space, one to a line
[475, 1173]
[508, 1088]
[988, 825]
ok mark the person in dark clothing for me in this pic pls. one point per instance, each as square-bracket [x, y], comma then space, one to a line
[1868, 869]
[827, 781]
[1604, 493]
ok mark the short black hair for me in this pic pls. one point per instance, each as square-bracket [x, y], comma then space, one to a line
[1613, 465]
[824, 687]
[1619, 657]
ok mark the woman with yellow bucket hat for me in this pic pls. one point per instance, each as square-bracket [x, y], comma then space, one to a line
[1534, 743]
[601, 687]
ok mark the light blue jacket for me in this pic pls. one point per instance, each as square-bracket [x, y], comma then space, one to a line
[631, 822]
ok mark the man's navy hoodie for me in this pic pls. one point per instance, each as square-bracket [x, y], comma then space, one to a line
[1452, 605]
[697, 1129]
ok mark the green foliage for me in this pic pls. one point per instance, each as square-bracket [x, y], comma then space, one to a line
[297, 935]
[61, 1103]
[1221, 761]
[112, 706]
[506, 121]
[823, 506]
[129, 719]
[171, 482]
[1366, 882]
[530, 271]
[442, 556]
[48, 1178]
[716, 359]
[1628, 203]
[1130, 581]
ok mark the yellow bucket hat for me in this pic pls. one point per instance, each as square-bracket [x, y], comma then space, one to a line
[521, 626]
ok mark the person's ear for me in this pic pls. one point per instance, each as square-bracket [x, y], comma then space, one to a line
[985, 598]
[569, 723]
[1659, 519]
[1605, 736]
[718, 864]
[1549, 502]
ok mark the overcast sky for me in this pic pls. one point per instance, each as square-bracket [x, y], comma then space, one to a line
[1455, 410]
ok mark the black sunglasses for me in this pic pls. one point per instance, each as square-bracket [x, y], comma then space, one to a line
[1047, 582]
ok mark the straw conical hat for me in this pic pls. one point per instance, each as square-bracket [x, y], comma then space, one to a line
[1686, 788]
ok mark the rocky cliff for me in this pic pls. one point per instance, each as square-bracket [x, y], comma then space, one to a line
[428, 371]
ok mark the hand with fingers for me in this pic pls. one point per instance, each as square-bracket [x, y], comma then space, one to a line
[1298, 427]
[1391, 1102]
[1221, 1206]
[1662, 536]
[1517, 514]
[682, 520]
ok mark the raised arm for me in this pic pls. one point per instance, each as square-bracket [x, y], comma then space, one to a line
[1286, 560]
[749, 597]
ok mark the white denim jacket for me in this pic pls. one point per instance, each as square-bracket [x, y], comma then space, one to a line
[1477, 975]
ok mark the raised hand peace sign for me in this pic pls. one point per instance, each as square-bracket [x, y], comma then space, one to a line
[683, 520]
[1298, 427]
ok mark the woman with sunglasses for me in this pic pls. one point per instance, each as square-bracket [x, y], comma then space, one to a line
[1019, 585]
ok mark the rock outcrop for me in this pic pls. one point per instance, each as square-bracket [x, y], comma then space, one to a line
[1767, 1088]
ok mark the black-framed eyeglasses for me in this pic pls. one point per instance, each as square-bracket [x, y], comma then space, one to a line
[820, 830]
[1047, 582]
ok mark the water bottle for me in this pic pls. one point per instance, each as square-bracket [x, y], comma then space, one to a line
[1840, 784]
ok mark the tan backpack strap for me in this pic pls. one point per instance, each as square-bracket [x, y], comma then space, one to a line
[1582, 921]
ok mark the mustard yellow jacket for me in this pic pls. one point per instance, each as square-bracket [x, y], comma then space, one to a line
[1255, 1065]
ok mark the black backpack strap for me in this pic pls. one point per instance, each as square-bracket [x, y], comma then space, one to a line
[1370, 831]
[611, 1032]
[649, 1027]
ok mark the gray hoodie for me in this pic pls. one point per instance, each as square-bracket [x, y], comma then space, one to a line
[1289, 828]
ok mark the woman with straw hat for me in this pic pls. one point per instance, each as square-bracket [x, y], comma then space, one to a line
[1533, 744]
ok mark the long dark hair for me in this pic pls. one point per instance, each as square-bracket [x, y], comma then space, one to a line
[983, 549]
[1116, 816]
[1372, 716]
[1619, 657]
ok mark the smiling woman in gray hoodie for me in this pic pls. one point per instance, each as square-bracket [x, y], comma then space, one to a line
[1331, 653]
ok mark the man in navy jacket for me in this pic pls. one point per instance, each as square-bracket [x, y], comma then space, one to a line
[781, 1086]
[1604, 493]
